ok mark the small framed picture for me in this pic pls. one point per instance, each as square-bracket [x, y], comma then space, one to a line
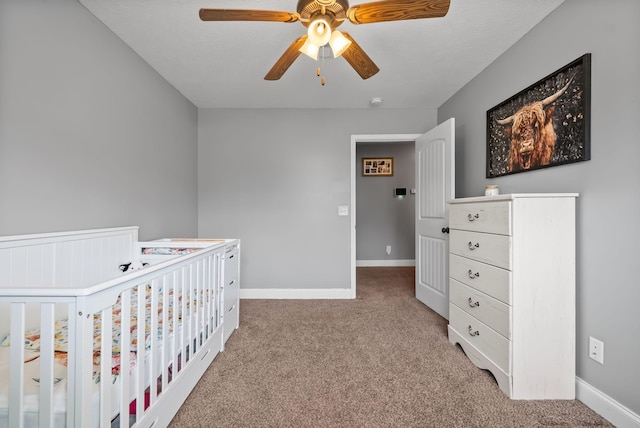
[377, 167]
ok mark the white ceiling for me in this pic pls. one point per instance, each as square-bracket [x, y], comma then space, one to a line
[222, 64]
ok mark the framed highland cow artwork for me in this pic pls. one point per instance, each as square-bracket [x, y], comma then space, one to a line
[546, 124]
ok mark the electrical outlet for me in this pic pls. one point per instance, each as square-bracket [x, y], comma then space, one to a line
[388, 250]
[596, 350]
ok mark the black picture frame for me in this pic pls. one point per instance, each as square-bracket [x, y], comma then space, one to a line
[515, 144]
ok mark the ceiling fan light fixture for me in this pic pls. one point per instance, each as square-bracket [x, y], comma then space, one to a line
[320, 17]
[319, 32]
[309, 49]
[339, 43]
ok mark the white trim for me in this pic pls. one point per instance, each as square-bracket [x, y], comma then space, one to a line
[366, 138]
[295, 293]
[352, 226]
[607, 407]
[385, 263]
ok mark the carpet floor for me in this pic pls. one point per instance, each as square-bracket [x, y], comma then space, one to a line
[380, 360]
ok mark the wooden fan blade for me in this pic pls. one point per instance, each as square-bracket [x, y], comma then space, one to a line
[247, 15]
[359, 60]
[397, 10]
[285, 61]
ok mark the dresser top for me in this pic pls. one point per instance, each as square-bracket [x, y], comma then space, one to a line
[512, 196]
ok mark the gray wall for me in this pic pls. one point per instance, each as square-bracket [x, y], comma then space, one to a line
[381, 218]
[90, 135]
[275, 178]
[608, 230]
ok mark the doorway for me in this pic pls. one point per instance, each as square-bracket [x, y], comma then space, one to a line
[355, 139]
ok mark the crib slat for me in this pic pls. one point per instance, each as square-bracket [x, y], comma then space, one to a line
[47, 375]
[213, 294]
[186, 317]
[16, 366]
[125, 360]
[215, 285]
[203, 333]
[105, 367]
[207, 299]
[220, 293]
[200, 304]
[166, 332]
[83, 364]
[193, 301]
[153, 364]
[140, 350]
[218, 290]
[178, 331]
[71, 366]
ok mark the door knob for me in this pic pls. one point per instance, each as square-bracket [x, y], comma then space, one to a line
[445, 230]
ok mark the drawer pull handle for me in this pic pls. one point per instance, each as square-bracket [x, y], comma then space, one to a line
[473, 246]
[472, 304]
[473, 217]
[473, 275]
[473, 333]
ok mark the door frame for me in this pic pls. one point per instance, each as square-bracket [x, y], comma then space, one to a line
[366, 138]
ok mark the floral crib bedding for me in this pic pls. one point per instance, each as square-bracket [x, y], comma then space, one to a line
[167, 251]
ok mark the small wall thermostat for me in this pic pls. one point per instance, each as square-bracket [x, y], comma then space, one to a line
[401, 191]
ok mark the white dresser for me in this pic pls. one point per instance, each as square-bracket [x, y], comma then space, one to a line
[512, 290]
[231, 287]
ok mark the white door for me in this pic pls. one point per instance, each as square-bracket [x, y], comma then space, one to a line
[435, 185]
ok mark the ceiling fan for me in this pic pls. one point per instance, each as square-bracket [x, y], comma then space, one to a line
[322, 17]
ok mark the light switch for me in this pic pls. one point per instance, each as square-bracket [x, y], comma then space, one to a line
[343, 210]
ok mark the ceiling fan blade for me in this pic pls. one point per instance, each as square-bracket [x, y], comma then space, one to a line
[247, 15]
[397, 10]
[358, 59]
[284, 62]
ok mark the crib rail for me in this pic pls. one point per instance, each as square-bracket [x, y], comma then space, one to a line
[176, 308]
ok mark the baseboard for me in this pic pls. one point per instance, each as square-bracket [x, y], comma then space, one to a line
[606, 406]
[296, 293]
[385, 263]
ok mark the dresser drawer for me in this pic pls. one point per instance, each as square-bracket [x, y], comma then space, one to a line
[493, 345]
[231, 284]
[230, 322]
[231, 294]
[231, 263]
[484, 247]
[490, 217]
[491, 280]
[490, 311]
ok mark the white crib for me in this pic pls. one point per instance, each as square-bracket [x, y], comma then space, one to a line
[109, 369]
